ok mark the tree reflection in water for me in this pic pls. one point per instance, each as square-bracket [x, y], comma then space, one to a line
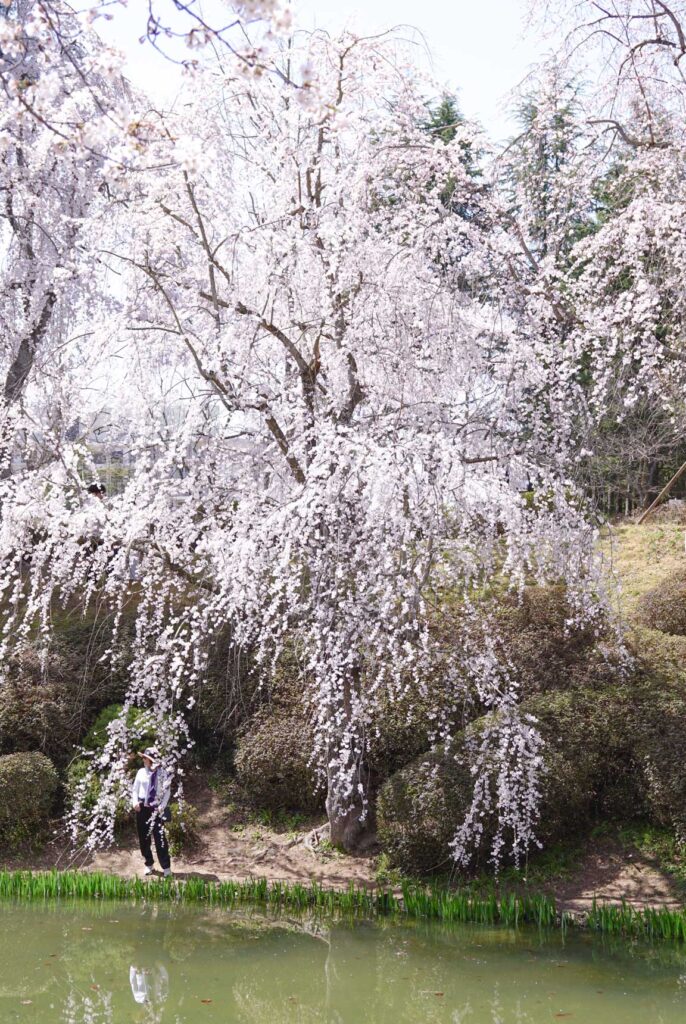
[142, 964]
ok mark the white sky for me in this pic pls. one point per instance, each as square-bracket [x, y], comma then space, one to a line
[479, 48]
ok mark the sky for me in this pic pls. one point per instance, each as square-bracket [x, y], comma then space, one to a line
[477, 48]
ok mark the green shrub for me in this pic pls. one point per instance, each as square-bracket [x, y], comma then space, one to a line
[547, 653]
[615, 739]
[37, 713]
[664, 607]
[419, 808]
[591, 769]
[97, 735]
[136, 719]
[225, 698]
[399, 732]
[44, 703]
[183, 830]
[28, 784]
[76, 773]
[94, 741]
[272, 762]
[660, 750]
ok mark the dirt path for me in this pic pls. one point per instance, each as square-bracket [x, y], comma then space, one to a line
[231, 849]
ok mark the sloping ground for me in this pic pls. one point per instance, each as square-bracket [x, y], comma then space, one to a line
[641, 557]
[609, 873]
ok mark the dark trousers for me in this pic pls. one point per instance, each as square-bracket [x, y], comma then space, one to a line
[146, 834]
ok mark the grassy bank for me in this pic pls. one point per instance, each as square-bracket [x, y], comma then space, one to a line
[410, 900]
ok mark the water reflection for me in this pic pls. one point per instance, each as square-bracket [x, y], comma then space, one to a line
[150, 986]
[163, 965]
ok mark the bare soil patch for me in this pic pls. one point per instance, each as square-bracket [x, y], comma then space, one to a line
[609, 873]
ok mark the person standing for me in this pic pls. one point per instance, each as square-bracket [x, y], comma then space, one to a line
[149, 798]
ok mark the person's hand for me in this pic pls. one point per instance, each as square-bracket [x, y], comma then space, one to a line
[136, 807]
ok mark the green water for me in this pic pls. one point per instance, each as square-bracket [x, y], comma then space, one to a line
[112, 963]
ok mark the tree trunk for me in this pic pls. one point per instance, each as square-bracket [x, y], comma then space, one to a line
[653, 487]
[351, 828]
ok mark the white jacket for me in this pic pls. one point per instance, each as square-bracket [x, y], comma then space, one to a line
[139, 790]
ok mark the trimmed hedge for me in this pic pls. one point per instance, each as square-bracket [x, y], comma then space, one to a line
[595, 757]
[419, 808]
[400, 732]
[28, 784]
[46, 705]
[664, 607]
[547, 653]
[272, 762]
[617, 752]
[38, 714]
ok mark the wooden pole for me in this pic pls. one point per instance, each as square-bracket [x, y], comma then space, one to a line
[665, 490]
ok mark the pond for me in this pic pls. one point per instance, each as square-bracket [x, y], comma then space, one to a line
[112, 963]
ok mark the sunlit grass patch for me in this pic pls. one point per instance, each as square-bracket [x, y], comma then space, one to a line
[642, 557]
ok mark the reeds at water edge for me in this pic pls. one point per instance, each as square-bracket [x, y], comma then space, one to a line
[409, 900]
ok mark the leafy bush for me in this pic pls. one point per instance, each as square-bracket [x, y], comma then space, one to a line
[137, 719]
[97, 735]
[660, 749]
[590, 770]
[37, 714]
[94, 741]
[28, 783]
[183, 831]
[225, 698]
[45, 703]
[612, 753]
[76, 773]
[419, 808]
[547, 652]
[272, 762]
[664, 607]
[400, 731]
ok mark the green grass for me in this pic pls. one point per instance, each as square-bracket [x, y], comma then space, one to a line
[415, 901]
[631, 923]
[643, 556]
[27, 885]
[412, 900]
[385, 873]
[544, 868]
